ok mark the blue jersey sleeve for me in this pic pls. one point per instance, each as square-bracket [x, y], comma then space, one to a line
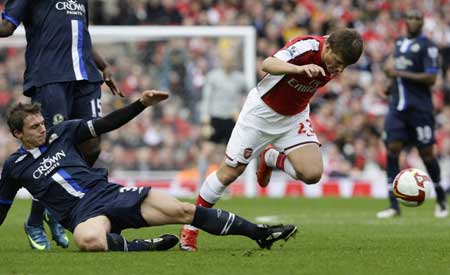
[77, 130]
[431, 58]
[16, 11]
[8, 190]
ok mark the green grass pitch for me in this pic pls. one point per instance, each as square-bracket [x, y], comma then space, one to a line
[336, 236]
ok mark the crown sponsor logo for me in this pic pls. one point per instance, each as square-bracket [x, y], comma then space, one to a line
[71, 7]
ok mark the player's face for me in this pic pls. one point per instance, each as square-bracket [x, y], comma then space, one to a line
[334, 63]
[33, 132]
[414, 23]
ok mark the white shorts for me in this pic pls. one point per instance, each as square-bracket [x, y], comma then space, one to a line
[253, 132]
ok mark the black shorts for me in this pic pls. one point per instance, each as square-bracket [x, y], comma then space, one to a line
[122, 205]
[411, 127]
[68, 100]
[222, 129]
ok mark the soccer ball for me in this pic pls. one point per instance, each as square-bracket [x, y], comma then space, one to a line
[412, 187]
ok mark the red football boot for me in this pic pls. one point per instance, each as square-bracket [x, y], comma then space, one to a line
[188, 238]
[264, 172]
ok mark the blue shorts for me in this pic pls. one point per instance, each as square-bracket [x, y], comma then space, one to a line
[122, 206]
[411, 127]
[68, 100]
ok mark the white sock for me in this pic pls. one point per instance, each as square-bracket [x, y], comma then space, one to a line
[272, 156]
[212, 189]
[289, 169]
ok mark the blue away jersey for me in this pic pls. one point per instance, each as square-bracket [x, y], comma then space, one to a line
[417, 55]
[59, 46]
[55, 173]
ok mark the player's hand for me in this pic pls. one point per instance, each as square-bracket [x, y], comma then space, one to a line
[389, 69]
[312, 70]
[152, 97]
[107, 77]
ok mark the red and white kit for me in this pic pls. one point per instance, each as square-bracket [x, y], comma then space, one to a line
[277, 110]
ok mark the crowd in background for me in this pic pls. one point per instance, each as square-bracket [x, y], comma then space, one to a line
[347, 114]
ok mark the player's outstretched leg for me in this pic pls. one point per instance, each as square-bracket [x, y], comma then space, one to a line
[221, 222]
[93, 235]
[58, 233]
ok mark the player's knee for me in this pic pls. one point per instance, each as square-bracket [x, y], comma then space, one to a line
[312, 176]
[394, 149]
[90, 241]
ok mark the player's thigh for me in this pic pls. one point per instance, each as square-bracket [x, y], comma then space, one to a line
[396, 128]
[307, 160]
[421, 126]
[92, 232]
[245, 144]
[87, 101]
[160, 208]
[56, 101]
[302, 149]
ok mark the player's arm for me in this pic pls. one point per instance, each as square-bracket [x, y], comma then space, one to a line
[425, 78]
[6, 28]
[121, 116]
[103, 66]
[275, 66]
[14, 13]
[8, 190]
[428, 77]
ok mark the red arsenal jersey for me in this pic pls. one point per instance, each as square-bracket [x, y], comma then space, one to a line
[289, 94]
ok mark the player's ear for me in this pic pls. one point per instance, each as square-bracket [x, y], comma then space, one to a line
[17, 134]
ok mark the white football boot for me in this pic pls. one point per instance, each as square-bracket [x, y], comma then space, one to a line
[441, 211]
[388, 213]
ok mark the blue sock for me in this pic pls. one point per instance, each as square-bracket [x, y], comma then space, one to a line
[36, 214]
[220, 222]
[392, 171]
[434, 170]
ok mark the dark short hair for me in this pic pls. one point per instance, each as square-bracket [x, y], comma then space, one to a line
[18, 113]
[347, 43]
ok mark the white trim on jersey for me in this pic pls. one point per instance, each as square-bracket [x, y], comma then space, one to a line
[35, 152]
[67, 186]
[267, 83]
[401, 95]
[401, 88]
[77, 54]
[298, 48]
[90, 125]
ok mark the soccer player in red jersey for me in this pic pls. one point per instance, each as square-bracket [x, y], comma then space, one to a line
[276, 113]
